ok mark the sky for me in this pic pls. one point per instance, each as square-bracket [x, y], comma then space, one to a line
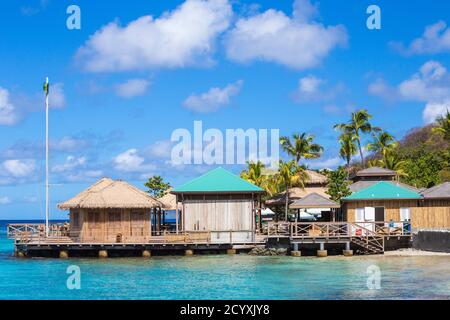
[136, 71]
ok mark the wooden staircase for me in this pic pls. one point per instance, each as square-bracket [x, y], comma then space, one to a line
[369, 242]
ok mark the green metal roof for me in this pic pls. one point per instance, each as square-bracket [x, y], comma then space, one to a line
[383, 190]
[218, 180]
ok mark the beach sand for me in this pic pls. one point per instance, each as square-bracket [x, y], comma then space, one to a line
[414, 252]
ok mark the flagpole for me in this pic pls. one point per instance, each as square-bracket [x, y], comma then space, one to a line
[46, 159]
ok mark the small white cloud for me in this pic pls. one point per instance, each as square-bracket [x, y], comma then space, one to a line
[131, 161]
[313, 89]
[70, 164]
[213, 99]
[18, 168]
[132, 88]
[56, 98]
[179, 38]
[296, 42]
[4, 200]
[434, 110]
[435, 39]
[8, 112]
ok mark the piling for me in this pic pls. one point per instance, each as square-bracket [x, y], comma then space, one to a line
[146, 253]
[188, 252]
[231, 251]
[63, 254]
[296, 253]
[103, 253]
[322, 252]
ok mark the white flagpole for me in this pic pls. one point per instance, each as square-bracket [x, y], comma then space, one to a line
[46, 162]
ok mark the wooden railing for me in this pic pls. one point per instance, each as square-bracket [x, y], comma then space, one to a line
[336, 229]
[34, 231]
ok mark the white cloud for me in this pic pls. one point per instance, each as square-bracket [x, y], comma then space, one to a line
[4, 200]
[56, 98]
[182, 37]
[313, 89]
[131, 161]
[431, 85]
[8, 112]
[18, 168]
[70, 163]
[213, 99]
[296, 42]
[435, 39]
[329, 163]
[433, 110]
[132, 88]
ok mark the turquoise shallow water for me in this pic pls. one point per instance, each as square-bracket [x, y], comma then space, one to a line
[224, 277]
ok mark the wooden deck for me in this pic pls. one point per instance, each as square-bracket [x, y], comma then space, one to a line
[367, 237]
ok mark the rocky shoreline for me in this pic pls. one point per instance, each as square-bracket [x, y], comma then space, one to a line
[261, 251]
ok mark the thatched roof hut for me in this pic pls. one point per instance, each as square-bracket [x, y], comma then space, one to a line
[314, 200]
[111, 194]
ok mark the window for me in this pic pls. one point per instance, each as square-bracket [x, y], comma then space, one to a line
[359, 215]
[75, 218]
[405, 214]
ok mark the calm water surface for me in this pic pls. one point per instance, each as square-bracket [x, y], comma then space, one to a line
[224, 277]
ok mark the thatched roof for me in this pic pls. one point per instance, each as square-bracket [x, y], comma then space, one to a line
[441, 191]
[169, 200]
[295, 194]
[314, 200]
[314, 177]
[375, 171]
[108, 193]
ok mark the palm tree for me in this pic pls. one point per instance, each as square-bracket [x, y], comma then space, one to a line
[391, 161]
[302, 146]
[347, 147]
[254, 173]
[443, 126]
[383, 143]
[359, 123]
[290, 174]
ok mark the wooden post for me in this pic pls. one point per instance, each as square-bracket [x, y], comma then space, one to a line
[176, 212]
[322, 252]
[63, 254]
[146, 253]
[188, 252]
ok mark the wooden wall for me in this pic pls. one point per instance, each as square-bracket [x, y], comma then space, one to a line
[218, 215]
[424, 213]
[104, 225]
[432, 214]
[391, 208]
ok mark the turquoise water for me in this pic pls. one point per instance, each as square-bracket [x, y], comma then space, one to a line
[224, 277]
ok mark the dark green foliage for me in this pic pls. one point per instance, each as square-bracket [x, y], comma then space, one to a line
[156, 186]
[337, 186]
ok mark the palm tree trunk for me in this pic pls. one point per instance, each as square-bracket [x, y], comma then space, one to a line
[361, 153]
[287, 204]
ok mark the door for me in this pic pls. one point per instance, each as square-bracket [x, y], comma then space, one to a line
[137, 224]
[379, 216]
[405, 217]
[369, 216]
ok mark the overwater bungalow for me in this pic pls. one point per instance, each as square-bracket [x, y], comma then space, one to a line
[219, 205]
[111, 211]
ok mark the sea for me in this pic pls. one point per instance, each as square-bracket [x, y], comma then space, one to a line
[222, 276]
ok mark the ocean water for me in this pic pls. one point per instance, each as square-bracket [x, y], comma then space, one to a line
[224, 277]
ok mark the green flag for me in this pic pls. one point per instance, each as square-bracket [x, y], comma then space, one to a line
[46, 87]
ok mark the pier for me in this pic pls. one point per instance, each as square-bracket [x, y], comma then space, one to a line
[342, 237]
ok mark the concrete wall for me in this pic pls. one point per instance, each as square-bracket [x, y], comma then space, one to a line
[438, 241]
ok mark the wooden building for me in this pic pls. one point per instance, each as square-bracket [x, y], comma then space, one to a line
[111, 211]
[219, 204]
[315, 183]
[378, 197]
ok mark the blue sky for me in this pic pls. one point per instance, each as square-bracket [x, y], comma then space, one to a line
[137, 70]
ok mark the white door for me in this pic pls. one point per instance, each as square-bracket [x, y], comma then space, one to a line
[359, 221]
[369, 216]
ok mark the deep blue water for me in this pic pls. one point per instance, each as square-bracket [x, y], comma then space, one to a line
[223, 277]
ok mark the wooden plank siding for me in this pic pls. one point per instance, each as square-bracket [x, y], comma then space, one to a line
[424, 213]
[104, 225]
[432, 214]
[218, 214]
[391, 208]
